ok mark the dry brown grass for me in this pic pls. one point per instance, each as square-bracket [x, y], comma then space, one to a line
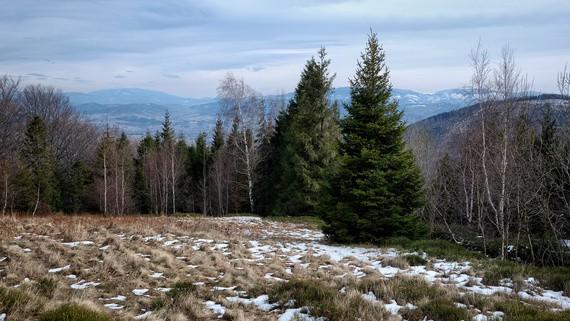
[130, 257]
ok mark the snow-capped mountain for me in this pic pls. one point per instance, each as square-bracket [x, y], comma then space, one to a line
[137, 111]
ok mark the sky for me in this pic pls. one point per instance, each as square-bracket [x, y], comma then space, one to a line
[186, 47]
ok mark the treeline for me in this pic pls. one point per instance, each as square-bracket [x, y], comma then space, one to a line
[502, 185]
[265, 156]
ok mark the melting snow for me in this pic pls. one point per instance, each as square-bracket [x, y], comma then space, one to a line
[139, 292]
[262, 302]
[77, 243]
[56, 270]
[83, 285]
[216, 308]
[143, 316]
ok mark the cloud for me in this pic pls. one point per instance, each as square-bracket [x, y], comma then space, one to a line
[193, 42]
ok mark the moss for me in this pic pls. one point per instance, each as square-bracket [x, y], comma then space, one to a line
[74, 312]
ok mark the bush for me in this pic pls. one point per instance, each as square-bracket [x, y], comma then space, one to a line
[74, 312]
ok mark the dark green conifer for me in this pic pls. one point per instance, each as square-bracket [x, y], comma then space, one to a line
[376, 186]
[307, 140]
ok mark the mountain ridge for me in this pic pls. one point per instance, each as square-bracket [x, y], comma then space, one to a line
[137, 111]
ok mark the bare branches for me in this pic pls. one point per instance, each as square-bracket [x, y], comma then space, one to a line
[563, 82]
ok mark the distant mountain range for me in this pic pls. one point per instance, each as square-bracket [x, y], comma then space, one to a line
[137, 111]
[445, 127]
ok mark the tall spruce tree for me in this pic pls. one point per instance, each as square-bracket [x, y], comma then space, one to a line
[38, 188]
[307, 141]
[376, 186]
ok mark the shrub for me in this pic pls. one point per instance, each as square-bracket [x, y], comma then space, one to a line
[74, 312]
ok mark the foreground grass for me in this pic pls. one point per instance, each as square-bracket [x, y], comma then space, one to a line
[328, 288]
[327, 301]
[74, 312]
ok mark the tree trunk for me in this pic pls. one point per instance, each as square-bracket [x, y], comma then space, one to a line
[5, 194]
[37, 202]
[105, 183]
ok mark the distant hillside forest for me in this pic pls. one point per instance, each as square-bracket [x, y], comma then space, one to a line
[494, 176]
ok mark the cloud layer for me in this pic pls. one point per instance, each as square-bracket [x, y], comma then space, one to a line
[185, 47]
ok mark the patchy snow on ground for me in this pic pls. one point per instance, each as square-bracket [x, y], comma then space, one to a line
[274, 253]
[139, 292]
[56, 270]
[81, 285]
[261, 302]
[216, 308]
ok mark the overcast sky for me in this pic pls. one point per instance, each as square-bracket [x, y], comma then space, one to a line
[186, 47]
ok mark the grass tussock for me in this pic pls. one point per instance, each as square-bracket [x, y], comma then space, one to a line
[19, 304]
[518, 311]
[402, 289]
[440, 309]
[326, 301]
[415, 260]
[74, 312]
[554, 278]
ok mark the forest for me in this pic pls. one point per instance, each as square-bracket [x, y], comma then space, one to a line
[501, 187]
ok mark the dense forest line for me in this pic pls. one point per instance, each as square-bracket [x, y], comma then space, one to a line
[503, 188]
